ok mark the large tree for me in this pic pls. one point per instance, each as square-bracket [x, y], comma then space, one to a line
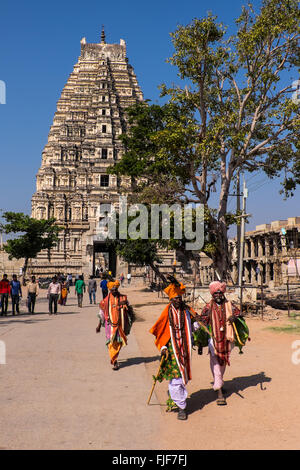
[233, 113]
[32, 236]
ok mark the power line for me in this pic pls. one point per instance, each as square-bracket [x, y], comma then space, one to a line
[260, 184]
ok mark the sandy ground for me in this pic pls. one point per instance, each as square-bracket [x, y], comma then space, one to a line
[58, 390]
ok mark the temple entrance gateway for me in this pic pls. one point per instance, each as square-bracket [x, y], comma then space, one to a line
[105, 257]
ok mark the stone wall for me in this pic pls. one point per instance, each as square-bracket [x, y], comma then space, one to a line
[9, 267]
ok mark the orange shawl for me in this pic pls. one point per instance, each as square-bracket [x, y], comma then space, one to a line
[161, 329]
[115, 315]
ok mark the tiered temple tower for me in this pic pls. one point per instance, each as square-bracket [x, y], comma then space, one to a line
[83, 141]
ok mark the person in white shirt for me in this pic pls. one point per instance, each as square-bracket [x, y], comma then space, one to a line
[53, 295]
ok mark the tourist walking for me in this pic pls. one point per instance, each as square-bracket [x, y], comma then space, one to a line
[4, 293]
[16, 293]
[114, 315]
[54, 290]
[128, 278]
[173, 333]
[80, 289]
[92, 288]
[219, 314]
[103, 285]
[32, 293]
[70, 280]
[64, 292]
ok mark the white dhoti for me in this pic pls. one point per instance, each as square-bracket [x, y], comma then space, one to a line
[178, 392]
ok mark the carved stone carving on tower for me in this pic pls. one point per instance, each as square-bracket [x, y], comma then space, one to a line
[82, 143]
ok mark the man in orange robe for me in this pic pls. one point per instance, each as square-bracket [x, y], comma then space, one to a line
[113, 314]
[173, 333]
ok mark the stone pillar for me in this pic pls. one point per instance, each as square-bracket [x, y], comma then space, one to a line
[252, 248]
[253, 273]
[235, 273]
[260, 247]
[284, 245]
[202, 275]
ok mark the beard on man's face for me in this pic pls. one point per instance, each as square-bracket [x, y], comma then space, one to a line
[219, 297]
[177, 301]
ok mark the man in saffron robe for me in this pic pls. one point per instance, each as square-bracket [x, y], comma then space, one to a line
[219, 314]
[173, 333]
[113, 314]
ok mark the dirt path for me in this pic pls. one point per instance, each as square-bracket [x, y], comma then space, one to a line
[263, 389]
[58, 390]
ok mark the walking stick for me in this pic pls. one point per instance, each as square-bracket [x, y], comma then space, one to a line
[154, 383]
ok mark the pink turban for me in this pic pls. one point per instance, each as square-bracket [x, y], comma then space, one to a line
[216, 285]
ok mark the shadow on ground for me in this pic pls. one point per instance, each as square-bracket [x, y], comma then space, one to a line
[200, 399]
[132, 361]
[29, 321]
[147, 304]
[29, 317]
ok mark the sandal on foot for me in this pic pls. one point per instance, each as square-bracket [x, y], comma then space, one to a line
[181, 414]
[221, 401]
[116, 366]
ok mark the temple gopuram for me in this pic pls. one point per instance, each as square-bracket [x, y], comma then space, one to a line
[83, 142]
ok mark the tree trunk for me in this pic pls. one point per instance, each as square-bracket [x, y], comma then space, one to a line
[158, 273]
[221, 256]
[24, 270]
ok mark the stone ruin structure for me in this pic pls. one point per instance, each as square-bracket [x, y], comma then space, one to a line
[271, 254]
[83, 142]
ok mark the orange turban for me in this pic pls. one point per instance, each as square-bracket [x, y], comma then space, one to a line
[215, 286]
[112, 284]
[174, 291]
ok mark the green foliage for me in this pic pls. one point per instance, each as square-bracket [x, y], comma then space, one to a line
[293, 327]
[171, 405]
[152, 142]
[140, 252]
[233, 113]
[201, 337]
[33, 235]
[142, 249]
[243, 332]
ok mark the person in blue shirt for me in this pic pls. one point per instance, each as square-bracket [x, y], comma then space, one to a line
[103, 285]
[16, 293]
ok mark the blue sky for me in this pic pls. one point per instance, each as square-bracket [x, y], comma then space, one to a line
[40, 43]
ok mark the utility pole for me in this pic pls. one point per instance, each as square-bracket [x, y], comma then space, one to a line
[238, 208]
[242, 242]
